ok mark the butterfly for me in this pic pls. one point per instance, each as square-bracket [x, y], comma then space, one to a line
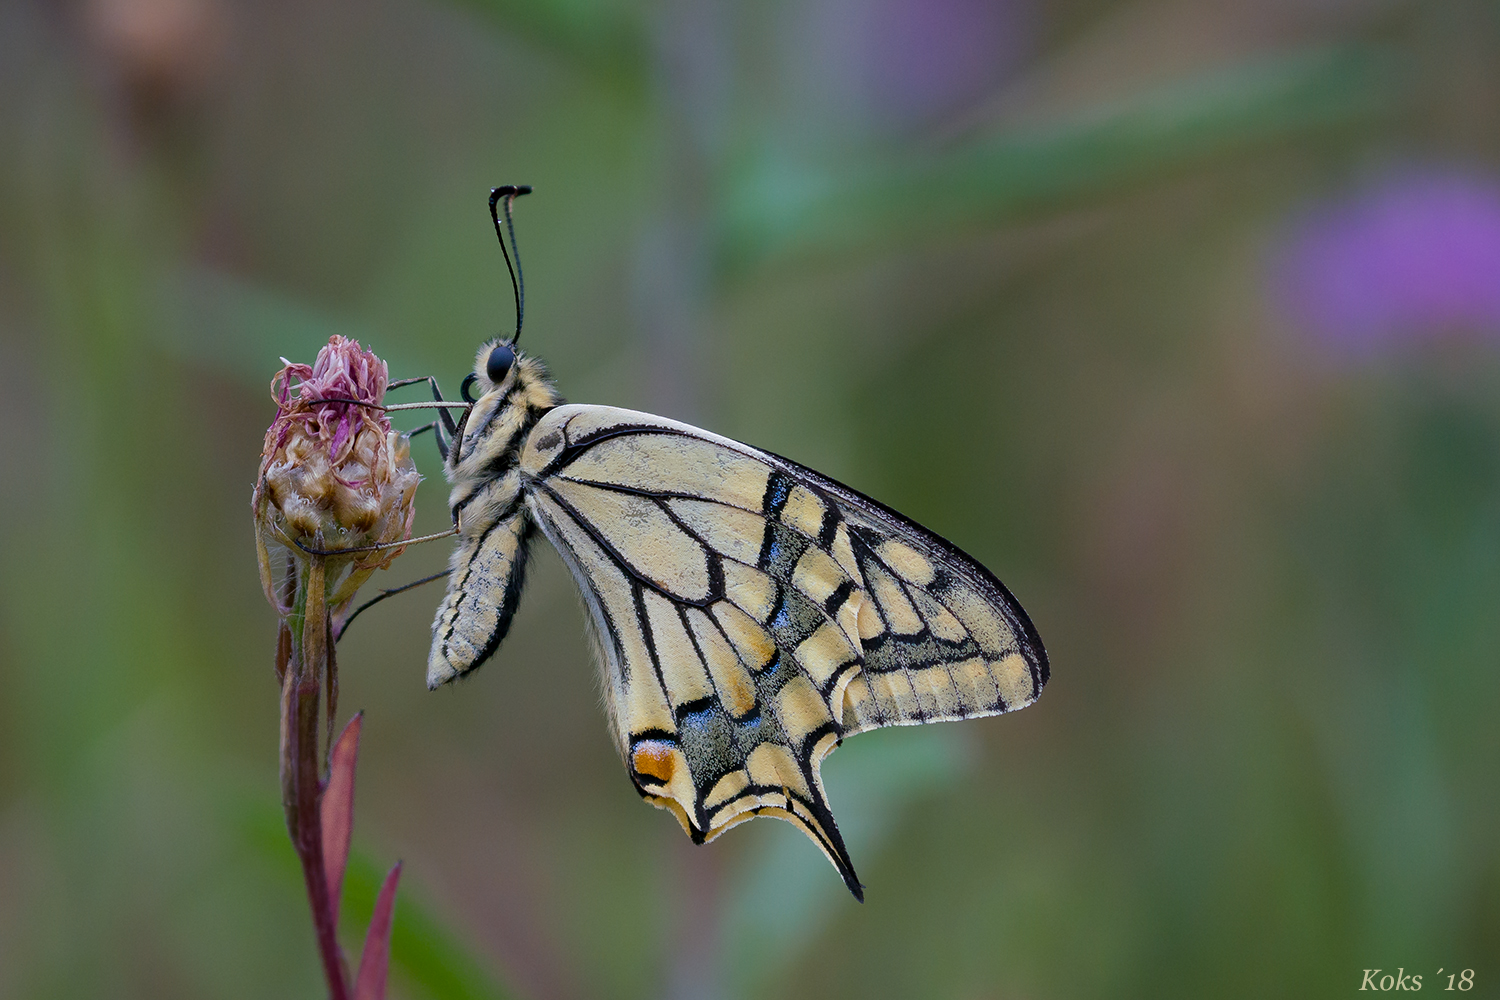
[748, 613]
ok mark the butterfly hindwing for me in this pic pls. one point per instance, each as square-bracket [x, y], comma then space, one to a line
[751, 613]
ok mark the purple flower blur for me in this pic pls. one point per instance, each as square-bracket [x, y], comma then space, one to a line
[889, 65]
[1410, 258]
[923, 57]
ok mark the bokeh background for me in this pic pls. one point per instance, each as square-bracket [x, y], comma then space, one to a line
[1182, 315]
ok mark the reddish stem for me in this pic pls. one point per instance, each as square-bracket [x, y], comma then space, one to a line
[301, 785]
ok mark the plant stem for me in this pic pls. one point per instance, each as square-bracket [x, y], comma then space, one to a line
[301, 783]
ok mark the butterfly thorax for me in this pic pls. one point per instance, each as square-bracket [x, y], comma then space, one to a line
[482, 466]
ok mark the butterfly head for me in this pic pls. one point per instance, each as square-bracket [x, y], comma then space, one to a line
[501, 370]
[502, 390]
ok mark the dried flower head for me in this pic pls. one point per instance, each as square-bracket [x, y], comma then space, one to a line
[333, 473]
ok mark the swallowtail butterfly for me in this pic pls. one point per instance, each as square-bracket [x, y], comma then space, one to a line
[749, 613]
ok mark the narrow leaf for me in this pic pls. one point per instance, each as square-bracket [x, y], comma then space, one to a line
[336, 811]
[783, 209]
[376, 958]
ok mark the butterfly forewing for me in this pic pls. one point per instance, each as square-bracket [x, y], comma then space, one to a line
[751, 613]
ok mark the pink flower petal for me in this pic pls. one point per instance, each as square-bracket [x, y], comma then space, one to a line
[343, 370]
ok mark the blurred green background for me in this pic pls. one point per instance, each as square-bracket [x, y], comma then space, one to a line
[1181, 315]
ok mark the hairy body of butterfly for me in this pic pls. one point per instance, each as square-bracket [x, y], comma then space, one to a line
[749, 612]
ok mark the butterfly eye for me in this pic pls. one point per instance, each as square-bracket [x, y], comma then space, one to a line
[498, 366]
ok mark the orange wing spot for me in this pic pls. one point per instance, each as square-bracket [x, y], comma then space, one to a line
[653, 760]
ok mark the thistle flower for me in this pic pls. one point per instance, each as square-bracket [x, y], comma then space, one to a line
[336, 485]
[333, 473]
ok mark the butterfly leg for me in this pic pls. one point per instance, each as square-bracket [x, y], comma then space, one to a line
[445, 421]
[343, 626]
[437, 435]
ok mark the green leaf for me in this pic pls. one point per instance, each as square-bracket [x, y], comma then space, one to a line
[778, 209]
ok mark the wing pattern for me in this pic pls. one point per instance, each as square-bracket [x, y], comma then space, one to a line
[751, 613]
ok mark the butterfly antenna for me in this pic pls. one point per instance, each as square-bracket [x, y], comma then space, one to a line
[509, 193]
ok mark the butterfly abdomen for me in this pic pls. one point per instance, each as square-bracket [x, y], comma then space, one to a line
[487, 573]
